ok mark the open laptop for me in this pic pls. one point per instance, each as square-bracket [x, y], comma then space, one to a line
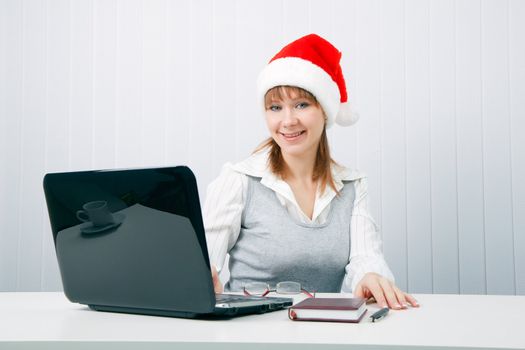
[133, 241]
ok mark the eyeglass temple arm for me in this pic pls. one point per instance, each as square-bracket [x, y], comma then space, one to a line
[311, 295]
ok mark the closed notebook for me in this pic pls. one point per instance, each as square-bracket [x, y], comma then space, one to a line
[328, 309]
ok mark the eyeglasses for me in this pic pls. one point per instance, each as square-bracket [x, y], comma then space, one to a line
[287, 287]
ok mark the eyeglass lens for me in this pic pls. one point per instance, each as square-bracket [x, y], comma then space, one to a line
[257, 288]
[288, 287]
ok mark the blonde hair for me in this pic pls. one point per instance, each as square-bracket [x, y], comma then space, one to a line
[323, 161]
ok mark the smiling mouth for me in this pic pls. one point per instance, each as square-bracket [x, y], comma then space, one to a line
[293, 135]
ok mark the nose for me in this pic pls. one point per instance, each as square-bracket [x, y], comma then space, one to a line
[289, 118]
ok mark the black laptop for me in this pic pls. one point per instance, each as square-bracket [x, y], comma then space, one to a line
[133, 241]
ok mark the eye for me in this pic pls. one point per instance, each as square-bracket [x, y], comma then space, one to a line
[274, 108]
[302, 105]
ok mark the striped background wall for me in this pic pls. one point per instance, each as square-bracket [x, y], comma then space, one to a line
[440, 86]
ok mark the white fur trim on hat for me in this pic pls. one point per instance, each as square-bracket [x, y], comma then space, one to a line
[295, 71]
[346, 115]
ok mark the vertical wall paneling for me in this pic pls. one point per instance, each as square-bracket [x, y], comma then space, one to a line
[517, 125]
[3, 132]
[34, 118]
[393, 133]
[154, 83]
[57, 123]
[223, 116]
[129, 115]
[179, 82]
[105, 97]
[296, 20]
[93, 84]
[201, 70]
[58, 61]
[4, 238]
[344, 141]
[321, 17]
[81, 89]
[368, 75]
[12, 156]
[496, 148]
[254, 51]
[471, 228]
[443, 147]
[417, 97]
[224, 89]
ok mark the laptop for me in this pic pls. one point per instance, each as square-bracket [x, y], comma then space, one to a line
[133, 241]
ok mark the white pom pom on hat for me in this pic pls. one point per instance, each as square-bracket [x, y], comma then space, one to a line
[311, 63]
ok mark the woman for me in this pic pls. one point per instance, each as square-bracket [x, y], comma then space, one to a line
[289, 212]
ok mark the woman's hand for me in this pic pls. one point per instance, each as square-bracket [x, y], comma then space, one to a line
[384, 292]
[217, 285]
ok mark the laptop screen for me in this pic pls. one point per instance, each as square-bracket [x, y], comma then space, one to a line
[131, 238]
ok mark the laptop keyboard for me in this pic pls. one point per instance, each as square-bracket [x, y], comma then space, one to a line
[231, 298]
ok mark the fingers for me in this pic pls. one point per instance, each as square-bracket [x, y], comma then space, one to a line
[359, 292]
[401, 297]
[386, 293]
[362, 292]
[411, 300]
[217, 285]
[390, 294]
[377, 291]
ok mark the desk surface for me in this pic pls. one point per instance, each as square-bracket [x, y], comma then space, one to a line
[49, 320]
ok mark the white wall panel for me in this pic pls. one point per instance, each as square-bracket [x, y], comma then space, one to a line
[100, 84]
[344, 141]
[443, 157]
[321, 17]
[105, 85]
[418, 174]
[258, 26]
[13, 147]
[471, 227]
[517, 125]
[295, 21]
[4, 262]
[154, 82]
[33, 145]
[58, 117]
[393, 136]
[223, 124]
[81, 141]
[126, 116]
[201, 90]
[369, 80]
[496, 148]
[179, 82]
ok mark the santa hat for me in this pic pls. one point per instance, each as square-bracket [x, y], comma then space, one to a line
[311, 63]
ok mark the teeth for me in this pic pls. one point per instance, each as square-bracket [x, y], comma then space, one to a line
[293, 135]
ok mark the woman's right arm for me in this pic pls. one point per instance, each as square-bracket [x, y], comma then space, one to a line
[222, 214]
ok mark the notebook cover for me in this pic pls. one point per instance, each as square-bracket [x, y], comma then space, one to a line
[330, 303]
[350, 304]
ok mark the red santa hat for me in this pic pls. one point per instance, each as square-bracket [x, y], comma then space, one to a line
[311, 63]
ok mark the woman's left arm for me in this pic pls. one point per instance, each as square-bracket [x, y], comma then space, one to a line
[367, 273]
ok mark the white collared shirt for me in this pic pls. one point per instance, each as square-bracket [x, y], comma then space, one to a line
[225, 202]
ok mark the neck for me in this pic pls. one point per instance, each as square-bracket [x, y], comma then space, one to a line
[300, 168]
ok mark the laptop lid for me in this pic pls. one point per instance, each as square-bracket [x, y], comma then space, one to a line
[131, 239]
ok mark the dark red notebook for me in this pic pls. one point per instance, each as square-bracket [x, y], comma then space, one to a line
[328, 309]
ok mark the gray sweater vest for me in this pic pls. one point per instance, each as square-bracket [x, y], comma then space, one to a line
[273, 247]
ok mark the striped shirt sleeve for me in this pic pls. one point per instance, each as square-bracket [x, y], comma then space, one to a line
[365, 242]
[222, 213]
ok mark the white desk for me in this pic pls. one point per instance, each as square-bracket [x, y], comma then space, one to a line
[50, 321]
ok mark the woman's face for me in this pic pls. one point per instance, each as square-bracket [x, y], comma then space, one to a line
[295, 123]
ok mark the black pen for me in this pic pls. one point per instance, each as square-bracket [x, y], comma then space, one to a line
[378, 315]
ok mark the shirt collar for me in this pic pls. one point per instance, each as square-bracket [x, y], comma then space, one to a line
[257, 166]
